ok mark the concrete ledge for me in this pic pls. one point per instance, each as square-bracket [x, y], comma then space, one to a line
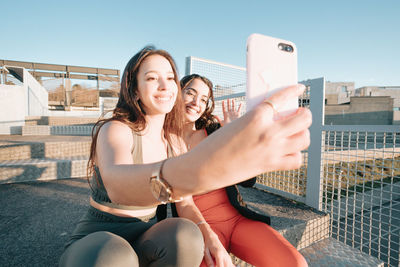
[18, 150]
[36, 130]
[8, 130]
[42, 169]
[59, 120]
[331, 252]
[84, 130]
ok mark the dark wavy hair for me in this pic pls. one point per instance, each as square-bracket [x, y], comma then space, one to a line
[129, 109]
[207, 119]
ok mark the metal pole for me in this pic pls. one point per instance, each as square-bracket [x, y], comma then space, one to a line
[314, 169]
[188, 67]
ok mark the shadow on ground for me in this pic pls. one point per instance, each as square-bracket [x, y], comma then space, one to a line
[36, 219]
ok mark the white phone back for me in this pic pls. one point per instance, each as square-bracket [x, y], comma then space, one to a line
[269, 69]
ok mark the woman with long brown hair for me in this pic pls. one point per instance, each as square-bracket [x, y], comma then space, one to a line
[119, 228]
[135, 168]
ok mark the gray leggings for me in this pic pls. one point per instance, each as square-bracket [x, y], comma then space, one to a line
[101, 239]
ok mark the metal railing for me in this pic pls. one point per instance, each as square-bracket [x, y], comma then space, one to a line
[361, 188]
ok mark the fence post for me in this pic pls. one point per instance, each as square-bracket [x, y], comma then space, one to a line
[314, 168]
[188, 67]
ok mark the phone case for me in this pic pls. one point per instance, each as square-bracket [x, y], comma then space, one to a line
[271, 66]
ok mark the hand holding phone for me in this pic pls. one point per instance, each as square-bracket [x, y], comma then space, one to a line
[271, 66]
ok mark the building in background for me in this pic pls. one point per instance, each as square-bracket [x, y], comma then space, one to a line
[345, 105]
[391, 91]
[337, 93]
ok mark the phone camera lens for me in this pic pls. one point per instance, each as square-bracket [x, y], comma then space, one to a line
[285, 47]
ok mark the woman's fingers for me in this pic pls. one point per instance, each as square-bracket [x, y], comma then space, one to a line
[295, 143]
[219, 261]
[208, 258]
[291, 161]
[239, 108]
[300, 141]
[278, 99]
[223, 107]
[229, 110]
[297, 122]
[282, 96]
[223, 259]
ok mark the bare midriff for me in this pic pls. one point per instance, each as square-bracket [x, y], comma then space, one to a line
[122, 212]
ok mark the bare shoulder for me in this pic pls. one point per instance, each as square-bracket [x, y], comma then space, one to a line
[114, 132]
[115, 127]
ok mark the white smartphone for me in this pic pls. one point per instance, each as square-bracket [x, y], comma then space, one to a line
[271, 66]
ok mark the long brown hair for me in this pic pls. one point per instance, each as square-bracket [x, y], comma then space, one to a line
[206, 119]
[129, 108]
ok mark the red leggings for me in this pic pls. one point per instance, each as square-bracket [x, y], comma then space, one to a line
[254, 242]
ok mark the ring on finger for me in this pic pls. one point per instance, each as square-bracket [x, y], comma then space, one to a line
[273, 106]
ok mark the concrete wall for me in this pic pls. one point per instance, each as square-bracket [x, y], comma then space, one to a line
[106, 105]
[334, 94]
[12, 107]
[361, 111]
[396, 117]
[19, 101]
[93, 113]
[391, 91]
[36, 97]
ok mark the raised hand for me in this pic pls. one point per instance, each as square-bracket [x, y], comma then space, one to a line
[229, 111]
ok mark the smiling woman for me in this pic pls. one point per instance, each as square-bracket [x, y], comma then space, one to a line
[134, 166]
[119, 228]
[157, 88]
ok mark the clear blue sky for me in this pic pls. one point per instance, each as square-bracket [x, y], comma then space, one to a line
[342, 40]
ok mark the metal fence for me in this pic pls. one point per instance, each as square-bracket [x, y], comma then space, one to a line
[351, 172]
[361, 188]
[229, 81]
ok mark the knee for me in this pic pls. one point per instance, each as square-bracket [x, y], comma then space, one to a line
[189, 242]
[188, 234]
[100, 249]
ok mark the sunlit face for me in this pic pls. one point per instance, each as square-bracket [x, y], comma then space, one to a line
[195, 97]
[157, 88]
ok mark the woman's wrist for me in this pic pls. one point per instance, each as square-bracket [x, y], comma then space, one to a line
[206, 230]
